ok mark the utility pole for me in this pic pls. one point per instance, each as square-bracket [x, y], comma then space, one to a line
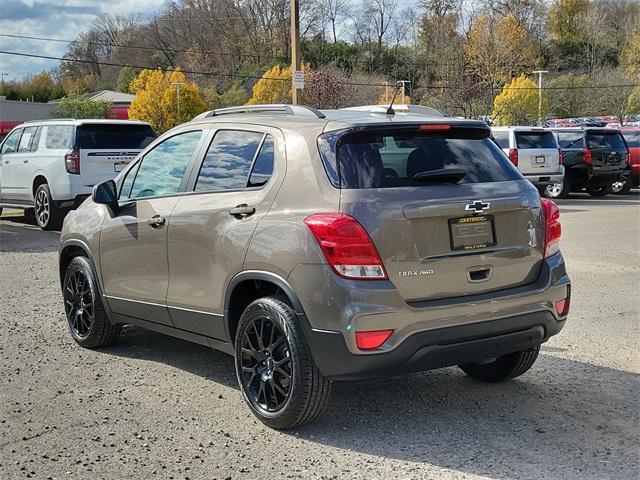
[2, 75]
[539, 73]
[177, 85]
[295, 48]
[403, 83]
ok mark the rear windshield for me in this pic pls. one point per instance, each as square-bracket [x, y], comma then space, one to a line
[385, 159]
[611, 140]
[632, 138]
[570, 139]
[114, 136]
[535, 140]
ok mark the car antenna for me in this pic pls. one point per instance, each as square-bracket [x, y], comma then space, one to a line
[390, 110]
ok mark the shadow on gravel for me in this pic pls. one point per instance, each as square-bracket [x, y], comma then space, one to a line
[561, 418]
[21, 234]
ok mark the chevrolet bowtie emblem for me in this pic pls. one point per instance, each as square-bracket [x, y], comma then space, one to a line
[477, 207]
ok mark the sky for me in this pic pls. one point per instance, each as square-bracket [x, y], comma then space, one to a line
[62, 19]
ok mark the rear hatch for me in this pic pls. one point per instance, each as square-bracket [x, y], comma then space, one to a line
[608, 150]
[537, 152]
[105, 149]
[439, 237]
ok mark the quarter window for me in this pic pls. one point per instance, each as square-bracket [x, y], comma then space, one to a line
[59, 137]
[263, 166]
[229, 161]
[10, 145]
[162, 169]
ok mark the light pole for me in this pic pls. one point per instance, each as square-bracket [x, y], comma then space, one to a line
[177, 85]
[539, 73]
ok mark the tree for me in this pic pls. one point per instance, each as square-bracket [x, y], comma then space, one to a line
[568, 97]
[125, 77]
[157, 99]
[615, 94]
[82, 107]
[273, 87]
[325, 88]
[517, 103]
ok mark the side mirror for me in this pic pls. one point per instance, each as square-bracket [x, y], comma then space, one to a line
[106, 193]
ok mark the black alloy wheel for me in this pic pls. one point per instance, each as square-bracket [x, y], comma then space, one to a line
[79, 304]
[266, 365]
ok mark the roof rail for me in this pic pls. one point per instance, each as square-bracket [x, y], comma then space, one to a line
[412, 109]
[295, 110]
[47, 120]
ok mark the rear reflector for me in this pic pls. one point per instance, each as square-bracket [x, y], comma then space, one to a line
[561, 162]
[346, 245]
[434, 127]
[372, 339]
[552, 228]
[562, 307]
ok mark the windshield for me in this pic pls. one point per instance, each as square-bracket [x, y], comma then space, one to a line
[386, 159]
[535, 140]
[632, 138]
[611, 140]
[104, 136]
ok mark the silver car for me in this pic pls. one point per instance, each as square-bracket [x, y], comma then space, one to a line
[321, 246]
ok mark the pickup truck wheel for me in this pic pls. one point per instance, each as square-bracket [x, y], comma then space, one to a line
[277, 376]
[88, 322]
[599, 190]
[502, 368]
[48, 216]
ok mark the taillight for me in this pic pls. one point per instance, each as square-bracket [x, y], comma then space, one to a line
[434, 127]
[513, 156]
[561, 157]
[552, 228]
[346, 245]
[72, 162]
[372, 339]
[587, 156]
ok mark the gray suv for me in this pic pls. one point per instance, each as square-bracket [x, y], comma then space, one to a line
[321, 246]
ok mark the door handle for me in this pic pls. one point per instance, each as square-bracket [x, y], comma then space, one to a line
[156, 221]
[25, 161]
[242, 211]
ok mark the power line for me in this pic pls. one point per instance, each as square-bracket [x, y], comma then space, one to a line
[255, 77]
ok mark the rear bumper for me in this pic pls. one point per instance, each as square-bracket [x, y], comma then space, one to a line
[606, 177]
[427, 334]
[438, 348]
[542, 179]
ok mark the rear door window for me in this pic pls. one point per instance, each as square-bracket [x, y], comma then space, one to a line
[162, 169]
[570, 139]
[95, 136]
[501, 138]
[612, 141]
[532, 140]
[59, 137]
[393, 158]
[233, 161]
[632, 139]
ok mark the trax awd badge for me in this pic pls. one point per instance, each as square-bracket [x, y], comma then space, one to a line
[477, 206]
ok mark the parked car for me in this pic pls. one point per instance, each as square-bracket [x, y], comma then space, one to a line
[594, 159]
[534, 151]
[52, 165]
[632, 137]
[318, 246]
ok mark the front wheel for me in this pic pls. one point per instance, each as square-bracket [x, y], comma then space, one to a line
[88, 322]
[277, 376]
[48, 216]
[502, 368]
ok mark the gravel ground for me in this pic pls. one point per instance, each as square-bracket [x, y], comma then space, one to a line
[156, 407]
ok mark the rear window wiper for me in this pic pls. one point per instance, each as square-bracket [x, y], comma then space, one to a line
[442, 175]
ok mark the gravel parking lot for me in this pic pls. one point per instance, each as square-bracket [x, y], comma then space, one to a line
[157, 407]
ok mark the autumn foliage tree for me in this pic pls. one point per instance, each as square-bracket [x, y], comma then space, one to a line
[517, 103]
[156, 99]
[273, 87]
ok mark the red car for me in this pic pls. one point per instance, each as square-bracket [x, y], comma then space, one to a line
[632, 137]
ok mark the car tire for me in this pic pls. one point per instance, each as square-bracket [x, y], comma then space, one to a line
[277, 376]
[502, 368]
[599, 190]
[621, 188]
[86, 317]
[48, 216]
[554, 191]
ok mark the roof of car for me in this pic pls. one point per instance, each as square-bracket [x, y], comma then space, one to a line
[328, 120]
[81, 121]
